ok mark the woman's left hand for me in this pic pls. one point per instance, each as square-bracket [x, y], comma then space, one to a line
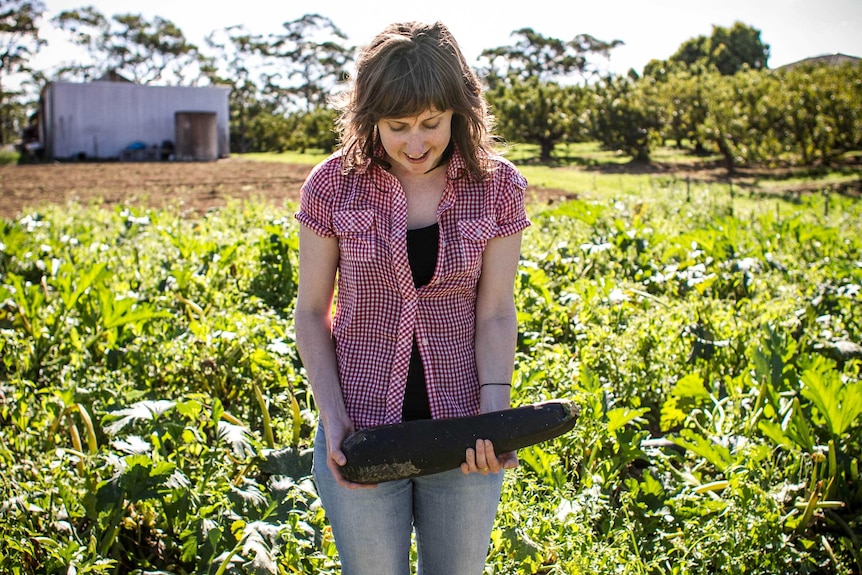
[482, 459]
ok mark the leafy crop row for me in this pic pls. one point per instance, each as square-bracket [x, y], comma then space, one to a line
[716, 360]
[154, 416]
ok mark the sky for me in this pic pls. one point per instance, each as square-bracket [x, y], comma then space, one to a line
[650, 29]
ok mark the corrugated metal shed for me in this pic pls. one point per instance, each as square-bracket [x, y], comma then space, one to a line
[101, 120]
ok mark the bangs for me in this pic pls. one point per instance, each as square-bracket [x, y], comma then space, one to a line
[410, 88]
[408, 69]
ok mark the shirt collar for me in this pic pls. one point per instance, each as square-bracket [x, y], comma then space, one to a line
[457, 165]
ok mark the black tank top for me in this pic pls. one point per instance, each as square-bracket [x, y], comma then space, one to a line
[422, 254]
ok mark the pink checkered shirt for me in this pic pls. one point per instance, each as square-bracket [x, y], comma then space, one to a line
[378, 310]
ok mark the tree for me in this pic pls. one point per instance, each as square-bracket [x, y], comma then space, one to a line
[128, 44]
[738, 47]
[313, 130]
[536, 112]
[625, 116]
[307, 61]
[820, 111]
[280, 83]
[525, 92]
[536, 56]
[741, 118]
[19, 41]
[729, 50]
[680, 97]
[232, 65]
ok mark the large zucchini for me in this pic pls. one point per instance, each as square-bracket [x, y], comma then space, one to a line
[426, 446]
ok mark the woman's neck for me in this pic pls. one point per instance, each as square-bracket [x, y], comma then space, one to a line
[423, 194]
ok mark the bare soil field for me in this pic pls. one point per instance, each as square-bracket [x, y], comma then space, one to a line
[191, 187]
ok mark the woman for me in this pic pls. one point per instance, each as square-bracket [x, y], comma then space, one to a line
[418, 225]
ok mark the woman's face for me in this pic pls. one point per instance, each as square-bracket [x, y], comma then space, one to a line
[415, 144]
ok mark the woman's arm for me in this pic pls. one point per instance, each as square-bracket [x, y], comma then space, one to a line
[318, 263]
[496, 338]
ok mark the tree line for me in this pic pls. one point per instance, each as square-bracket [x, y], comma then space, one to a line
[715, 94]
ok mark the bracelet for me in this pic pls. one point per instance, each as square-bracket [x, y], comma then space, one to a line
[484, 384]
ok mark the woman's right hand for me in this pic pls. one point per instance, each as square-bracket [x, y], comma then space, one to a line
[336, 433]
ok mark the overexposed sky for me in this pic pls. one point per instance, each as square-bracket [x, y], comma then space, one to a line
[794, 29]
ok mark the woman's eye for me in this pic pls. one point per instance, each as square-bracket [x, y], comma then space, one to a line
[402, 127]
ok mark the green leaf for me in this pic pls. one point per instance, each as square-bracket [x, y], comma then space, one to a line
[839, 402]
[141, 411]
[688, 393]
[793, 431]
[258, 542]
[716, 454]
[86, 280]
[619, 417]
[190, 408]
[289, 461]
[237, 436]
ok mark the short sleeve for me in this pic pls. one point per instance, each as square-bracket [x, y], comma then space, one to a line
[317, 196]
[510, 210]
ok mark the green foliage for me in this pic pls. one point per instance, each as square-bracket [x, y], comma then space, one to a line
[820, 111]
[739, 118]
[313, 130]
[141, 50]
[304, 63]
[7, 158]
[19, 42]
[147, 376]
[717, 433]
[805, 115]
[537, 57]
[624, 117]
[154, 415]
[543, 113]
[727, 50]
[19, 34]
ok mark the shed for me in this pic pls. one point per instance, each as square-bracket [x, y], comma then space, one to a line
[118, 120]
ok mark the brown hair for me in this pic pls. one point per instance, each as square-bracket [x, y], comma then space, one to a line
[406, 70]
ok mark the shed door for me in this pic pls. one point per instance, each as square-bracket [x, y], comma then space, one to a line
[196, 136]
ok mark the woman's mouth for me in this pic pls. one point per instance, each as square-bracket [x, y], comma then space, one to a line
[417, 159]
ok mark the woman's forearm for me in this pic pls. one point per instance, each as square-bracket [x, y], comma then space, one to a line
[496, 338]
[317, 352]
[497, 321]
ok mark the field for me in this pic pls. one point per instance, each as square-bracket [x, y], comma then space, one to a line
[155, 417]
[189, 187]
[194, 188]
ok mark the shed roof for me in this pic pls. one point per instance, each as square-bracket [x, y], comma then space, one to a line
[824, 60]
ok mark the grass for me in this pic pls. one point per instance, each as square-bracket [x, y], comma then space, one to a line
[310, 157]
[9, 157]
[587, 171]
[590, 172]
[584, 154]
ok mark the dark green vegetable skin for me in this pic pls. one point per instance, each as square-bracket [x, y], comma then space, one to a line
[422, 447]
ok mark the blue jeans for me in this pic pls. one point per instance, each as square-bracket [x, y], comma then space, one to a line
[452, 514]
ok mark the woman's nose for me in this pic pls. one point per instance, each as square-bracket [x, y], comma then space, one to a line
[415, 142]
